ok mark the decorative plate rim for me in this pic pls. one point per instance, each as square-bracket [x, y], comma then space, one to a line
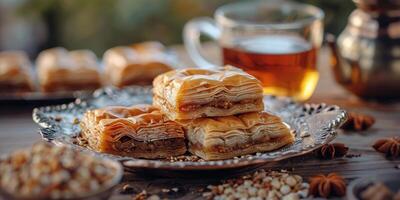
[48, 127]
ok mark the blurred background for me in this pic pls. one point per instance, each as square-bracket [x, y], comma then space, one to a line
[34, 25]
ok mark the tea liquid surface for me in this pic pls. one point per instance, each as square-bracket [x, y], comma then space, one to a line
[286, 65]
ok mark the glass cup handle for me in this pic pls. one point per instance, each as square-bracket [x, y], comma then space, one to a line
[191, 36]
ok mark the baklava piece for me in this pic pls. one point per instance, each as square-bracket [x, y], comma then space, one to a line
[138, 64]
[217, 138]
[62, 70]
[149, 46]
[15, 72]
[194, 93]
[140, 131]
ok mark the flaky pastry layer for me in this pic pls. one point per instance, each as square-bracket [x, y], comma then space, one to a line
[137, 131]
[221, 152]
[226, 137]
[194, 93]
[214, 108]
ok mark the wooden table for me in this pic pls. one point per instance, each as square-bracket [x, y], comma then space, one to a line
[17, 130]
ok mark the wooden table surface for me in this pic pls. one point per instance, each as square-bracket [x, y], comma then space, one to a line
[17, 130]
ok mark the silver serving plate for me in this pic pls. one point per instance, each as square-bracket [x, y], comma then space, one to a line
[313, 125]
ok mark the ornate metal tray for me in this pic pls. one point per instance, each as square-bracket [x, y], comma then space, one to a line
[313, 125]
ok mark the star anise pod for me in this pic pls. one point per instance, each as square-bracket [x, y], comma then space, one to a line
[388, 146]
[326, 186]
[330, 151]
[358, 122]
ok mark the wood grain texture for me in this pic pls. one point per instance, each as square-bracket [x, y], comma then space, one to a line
[17, 130]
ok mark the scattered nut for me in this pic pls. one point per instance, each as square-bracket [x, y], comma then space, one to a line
[260, 185]
[141, 196]
[127, 189]
[291, 196]
[304, 134]
[291, 181]
[165, 190]
[154, 197]
[285, 189]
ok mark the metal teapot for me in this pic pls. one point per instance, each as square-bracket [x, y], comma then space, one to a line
[366, 56]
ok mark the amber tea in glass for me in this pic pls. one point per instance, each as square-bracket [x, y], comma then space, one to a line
[275, 41]
[285, 65]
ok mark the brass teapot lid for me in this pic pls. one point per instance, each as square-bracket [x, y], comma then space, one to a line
[377, 5]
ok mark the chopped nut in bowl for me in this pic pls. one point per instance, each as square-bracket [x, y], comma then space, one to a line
[45, 171]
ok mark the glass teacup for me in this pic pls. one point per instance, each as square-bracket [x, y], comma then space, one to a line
[275, 41]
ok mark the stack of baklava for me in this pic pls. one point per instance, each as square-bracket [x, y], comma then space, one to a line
[219, 113]
[221, 110]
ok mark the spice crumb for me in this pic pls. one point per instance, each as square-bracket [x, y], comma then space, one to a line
[165, 190]
[185, 158]
[75, 121]
[58, 118]
[141, 196]
[354, 155]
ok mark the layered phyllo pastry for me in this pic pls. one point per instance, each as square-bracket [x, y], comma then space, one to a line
[216, 138]
[15, 72]
[140, 131]
[194, 93]
[138, 64]
[62, 70]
